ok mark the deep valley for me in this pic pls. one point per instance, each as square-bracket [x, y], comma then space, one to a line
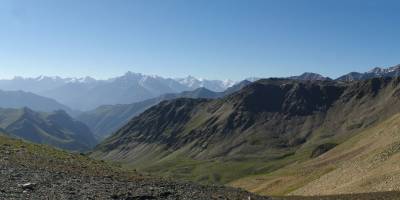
[302, 137]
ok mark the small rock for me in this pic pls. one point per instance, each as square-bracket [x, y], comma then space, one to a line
[142, 197]
[28, 186]
[165, 194]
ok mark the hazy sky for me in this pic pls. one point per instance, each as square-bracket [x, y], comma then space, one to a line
[224, 39]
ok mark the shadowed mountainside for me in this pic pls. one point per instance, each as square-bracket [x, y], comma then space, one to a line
[56, 128]
[263, 127]
[105, 120]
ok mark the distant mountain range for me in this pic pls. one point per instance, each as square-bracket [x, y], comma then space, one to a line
[213, 85]
[374, 73]
[20, 99]
[54, 128]
[88, 93]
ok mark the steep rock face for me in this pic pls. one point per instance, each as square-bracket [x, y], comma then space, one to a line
[287, 97]
[56, 128]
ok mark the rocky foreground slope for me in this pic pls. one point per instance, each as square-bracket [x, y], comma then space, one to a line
[29, 171]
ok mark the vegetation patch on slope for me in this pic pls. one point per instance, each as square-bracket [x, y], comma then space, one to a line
[364, 163]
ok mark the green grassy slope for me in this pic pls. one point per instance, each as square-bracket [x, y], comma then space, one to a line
[256, 132]
[367, 162]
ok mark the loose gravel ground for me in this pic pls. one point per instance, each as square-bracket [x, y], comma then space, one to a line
[34, 172]
[50, 185]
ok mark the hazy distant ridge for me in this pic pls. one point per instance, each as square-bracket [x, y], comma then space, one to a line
[88, 93]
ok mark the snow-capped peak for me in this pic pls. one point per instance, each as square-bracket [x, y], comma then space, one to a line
[382, 71]
[215, 85]
[86, 79]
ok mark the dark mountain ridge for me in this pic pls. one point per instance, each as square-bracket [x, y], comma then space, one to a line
[309, 76]
[268, 120]
[105, 120]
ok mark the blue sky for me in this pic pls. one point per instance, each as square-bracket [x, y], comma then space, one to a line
[217, 39]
